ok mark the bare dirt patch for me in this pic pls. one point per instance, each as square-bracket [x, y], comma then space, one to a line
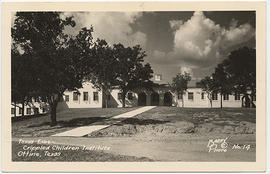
[174, 121]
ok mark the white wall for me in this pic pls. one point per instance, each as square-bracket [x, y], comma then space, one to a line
[115, 102]
[80, 103]
[32, 106]
[202, 103]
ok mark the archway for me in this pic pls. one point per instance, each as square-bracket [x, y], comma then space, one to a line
[167, 99]
[142, 99]
[154, 99]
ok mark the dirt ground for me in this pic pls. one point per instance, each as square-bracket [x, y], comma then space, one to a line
[185, 148]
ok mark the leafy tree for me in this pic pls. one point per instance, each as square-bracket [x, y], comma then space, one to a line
[207, 85]
[241, 65]
[179, 84]
[130, 71]
[221, 82]
[21, 78]
[55, 65]
[103, 76]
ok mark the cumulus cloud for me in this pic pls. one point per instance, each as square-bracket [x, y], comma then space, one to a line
[200, 42]
[175, 24]
[114, 27]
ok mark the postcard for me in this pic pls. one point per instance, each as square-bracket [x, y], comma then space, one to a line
[133, 87]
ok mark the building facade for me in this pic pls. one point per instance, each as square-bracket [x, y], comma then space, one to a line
[161, 95]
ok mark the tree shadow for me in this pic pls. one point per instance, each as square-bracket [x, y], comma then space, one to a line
[77, 122]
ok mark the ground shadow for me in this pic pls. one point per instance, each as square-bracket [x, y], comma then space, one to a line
[72, 123]
[136, 121]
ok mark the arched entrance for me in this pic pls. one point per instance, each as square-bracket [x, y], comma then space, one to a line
[154, 99]
[142, 99]
[167, 99]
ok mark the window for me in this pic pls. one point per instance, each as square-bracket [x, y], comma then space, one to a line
[85, 96]
[95, 94]
[20, 110]
[158, 77]
[180, 96]
[67, 98]
[214, 96]
[237, 96]
[226, 97]
[202, 95]
[75, 96]
[36, 110]
[12, 110]
[130, 96]
[28, 111]
[119, 96]
[253, 97]
[190, 95]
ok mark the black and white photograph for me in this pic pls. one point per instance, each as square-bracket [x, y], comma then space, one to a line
[133, 86]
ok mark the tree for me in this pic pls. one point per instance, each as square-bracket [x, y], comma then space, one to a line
[207, 85]
[103, 76]
[56, 66]
[131, 73]
[21, 79]
[221, 82]
[241, 65]
[179, 84]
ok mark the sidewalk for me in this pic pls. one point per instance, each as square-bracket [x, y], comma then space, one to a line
[84, 130]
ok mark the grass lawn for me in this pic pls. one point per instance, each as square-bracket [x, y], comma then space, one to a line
[68, 119]
[177, 120]
[200, 115]
[68, 155]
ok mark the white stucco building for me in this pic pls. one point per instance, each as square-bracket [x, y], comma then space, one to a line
[89, 97]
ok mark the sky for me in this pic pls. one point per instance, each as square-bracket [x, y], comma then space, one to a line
[175, 42]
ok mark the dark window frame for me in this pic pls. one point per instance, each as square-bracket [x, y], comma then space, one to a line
[214, 96]
[20, 110]
[95, 96]
[75, 96]
[67, 98]
[36, 111]
[225, 96]
[236, 96]
[202, 95]
[85, 96]
[190, 94]
[28, 111]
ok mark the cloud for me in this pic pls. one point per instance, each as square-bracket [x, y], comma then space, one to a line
[200, 43]
[114, 27]
[175, 24]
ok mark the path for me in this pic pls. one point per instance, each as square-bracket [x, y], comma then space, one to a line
[84, 130]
